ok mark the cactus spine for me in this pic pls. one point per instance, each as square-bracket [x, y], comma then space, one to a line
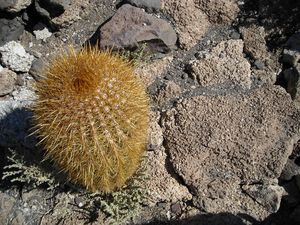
[92, 118]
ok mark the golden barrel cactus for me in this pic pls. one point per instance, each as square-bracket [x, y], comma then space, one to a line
[92, 118]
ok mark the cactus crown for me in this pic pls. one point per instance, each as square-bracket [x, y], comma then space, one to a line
[92, 117]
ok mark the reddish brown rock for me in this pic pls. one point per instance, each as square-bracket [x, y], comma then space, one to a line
[131, 26]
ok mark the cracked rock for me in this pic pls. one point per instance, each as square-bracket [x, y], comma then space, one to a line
[269, 196]
[15, 57]
[216, 143]
[162, 186]
[131, 27]
[224, 64]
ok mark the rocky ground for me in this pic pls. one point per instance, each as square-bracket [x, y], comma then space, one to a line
[224, 135]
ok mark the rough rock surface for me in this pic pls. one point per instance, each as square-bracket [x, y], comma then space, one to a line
[37, 68]
[71, 14]
[149, 72]
[34, 204]
[219, 11]
[42, 34]
[224, 64]
[256, 47]
[290, 170]
[191, 22]
[170, 91]
[14, 6]
[131, 26]
[15, 57]
[10, 30]
[217, 143]
[269, 196]
[155, 139]
[7, 81]
[255, 43]
[162, 186]
[148, 5]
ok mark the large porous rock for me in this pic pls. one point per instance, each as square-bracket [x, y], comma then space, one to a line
[14, 6]
[219, 11]
[266, 65]
[14, 56]
[191, 22]
[255, 43]
[163, 187]
[217, 144]
[225, 64]
[131, 27]
[150, 71]
[7, 81]
[10, 30]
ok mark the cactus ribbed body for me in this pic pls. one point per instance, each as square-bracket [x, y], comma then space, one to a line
[92, 118]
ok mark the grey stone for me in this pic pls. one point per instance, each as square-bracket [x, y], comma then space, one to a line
[131, 27]
[291, 76]
[217, 143]
[10, 30]
[259, 64]
[149, 5]
[176, 208]
[293, 42]
[7, 203]
[14, 56]
[290, 170]
[14, 6]
[267, 195]
[7, 81]
[36, 69]
[42, 34]
[291, 57]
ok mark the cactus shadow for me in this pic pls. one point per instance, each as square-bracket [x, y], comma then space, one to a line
[15, 139]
